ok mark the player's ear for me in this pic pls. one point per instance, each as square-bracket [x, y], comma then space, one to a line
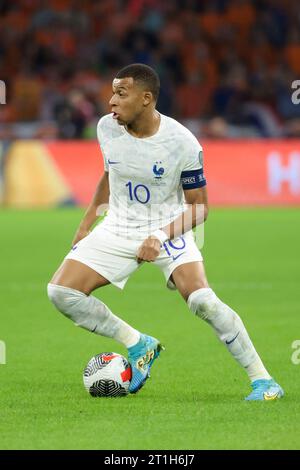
[148, 98]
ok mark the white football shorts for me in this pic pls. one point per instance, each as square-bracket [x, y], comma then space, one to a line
[114, 257]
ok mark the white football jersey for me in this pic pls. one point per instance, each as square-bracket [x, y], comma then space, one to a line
[147, 175]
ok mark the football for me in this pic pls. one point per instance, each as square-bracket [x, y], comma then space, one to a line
[107, 374]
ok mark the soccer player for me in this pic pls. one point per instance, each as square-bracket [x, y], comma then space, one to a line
[154, 184]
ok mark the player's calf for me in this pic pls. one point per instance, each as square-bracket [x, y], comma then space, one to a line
[90, 313]
[230, 330]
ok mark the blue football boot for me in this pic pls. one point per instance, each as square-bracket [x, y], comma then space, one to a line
[264, 389]
[141, 357]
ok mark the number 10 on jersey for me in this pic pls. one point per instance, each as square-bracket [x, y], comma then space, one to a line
[138, 192]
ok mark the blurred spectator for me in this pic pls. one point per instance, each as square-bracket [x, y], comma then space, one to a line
[73, 114]
[216, 128]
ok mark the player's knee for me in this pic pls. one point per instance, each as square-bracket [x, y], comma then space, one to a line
[63, 298]
[203, 303]
[56, 295]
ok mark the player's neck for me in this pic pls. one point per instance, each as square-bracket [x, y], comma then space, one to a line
[147, 126]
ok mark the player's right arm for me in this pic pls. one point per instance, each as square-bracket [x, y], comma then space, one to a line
[95, 208]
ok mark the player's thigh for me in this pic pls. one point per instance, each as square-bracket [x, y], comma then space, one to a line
[76, 275]
[189, 277]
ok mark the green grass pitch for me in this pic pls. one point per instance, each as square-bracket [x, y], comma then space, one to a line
[194, 399]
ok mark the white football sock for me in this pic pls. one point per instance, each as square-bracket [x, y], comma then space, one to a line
[90, 313]
[229, 329]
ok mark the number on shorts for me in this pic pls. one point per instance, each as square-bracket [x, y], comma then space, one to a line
[171, 245]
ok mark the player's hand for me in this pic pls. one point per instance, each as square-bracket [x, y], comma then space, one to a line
[79, 235]
[149, 250]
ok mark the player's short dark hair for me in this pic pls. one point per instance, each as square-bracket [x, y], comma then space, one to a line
[144, 74]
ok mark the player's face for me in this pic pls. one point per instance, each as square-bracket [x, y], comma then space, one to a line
[127, 101]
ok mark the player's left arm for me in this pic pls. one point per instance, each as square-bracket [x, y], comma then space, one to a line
[195, 214]
[194, 187]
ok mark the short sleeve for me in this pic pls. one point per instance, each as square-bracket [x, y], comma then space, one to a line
[192, 175]
[101, 141]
